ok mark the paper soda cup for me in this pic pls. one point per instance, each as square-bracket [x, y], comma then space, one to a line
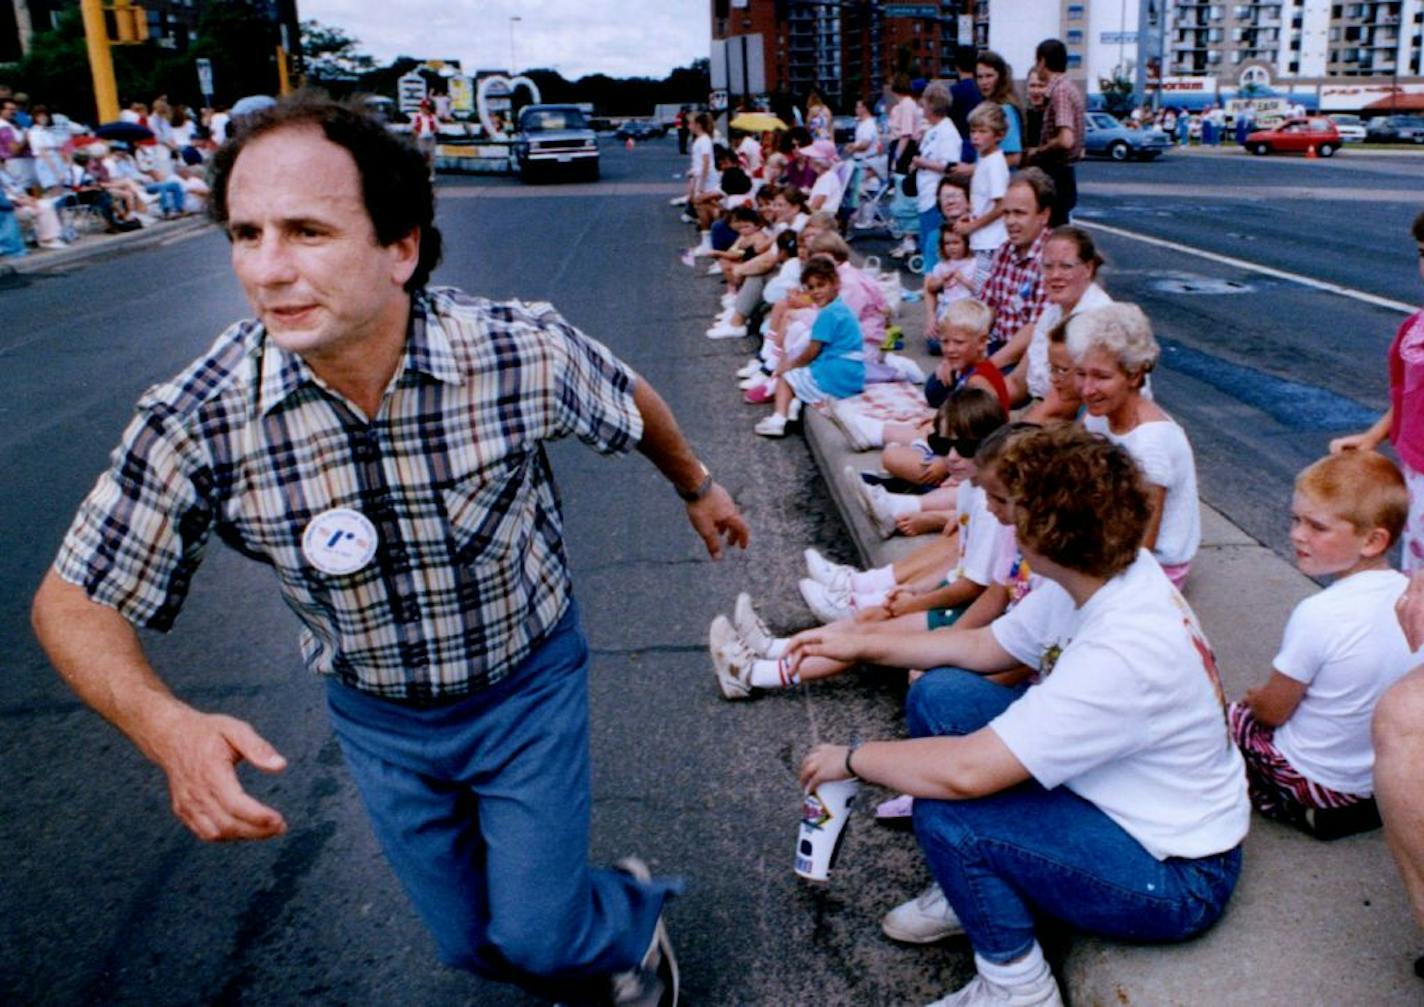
[824, 813]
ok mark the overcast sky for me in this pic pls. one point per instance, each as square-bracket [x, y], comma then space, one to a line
[622, 38]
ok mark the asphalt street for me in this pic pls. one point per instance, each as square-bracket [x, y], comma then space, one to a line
[104, 898]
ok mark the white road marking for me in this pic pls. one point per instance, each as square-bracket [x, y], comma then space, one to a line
[1255, 267]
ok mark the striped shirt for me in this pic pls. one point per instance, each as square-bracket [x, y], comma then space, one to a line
[469, 569]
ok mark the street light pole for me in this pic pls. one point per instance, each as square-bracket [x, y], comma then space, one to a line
[513, 66]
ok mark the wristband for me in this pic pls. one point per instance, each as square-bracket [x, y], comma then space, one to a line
[703, 488]
[851, 750]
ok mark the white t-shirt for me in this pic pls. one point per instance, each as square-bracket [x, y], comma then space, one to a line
[1346, 646]
[1037, 372]
[828, 184]
[749, 150]
[978, 535]
[866, 132]
[787, 279]
[1011, 570]
[1129, 713]
[951, 292]
[942, 145]
[702, 158]
[990, 182]
[1164, 454]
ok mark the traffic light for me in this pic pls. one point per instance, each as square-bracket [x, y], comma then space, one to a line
[130, 23]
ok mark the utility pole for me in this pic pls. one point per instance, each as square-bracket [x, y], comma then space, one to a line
[101, 62]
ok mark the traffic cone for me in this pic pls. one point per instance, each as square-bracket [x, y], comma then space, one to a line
[1310, 151]
[630, 144]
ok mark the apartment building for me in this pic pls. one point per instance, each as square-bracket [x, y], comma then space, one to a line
[844, 49]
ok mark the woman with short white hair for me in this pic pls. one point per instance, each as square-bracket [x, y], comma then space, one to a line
[1113, 351]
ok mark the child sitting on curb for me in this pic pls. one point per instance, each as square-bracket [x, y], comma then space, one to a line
[1305, 734]
[832, 366]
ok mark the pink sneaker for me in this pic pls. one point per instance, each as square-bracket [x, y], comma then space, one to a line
[896, 807]
[759, 395]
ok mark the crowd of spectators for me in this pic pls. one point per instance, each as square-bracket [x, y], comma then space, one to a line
[1072, 753]
[60, 179]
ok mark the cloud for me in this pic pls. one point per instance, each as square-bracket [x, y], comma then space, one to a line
[620, 38]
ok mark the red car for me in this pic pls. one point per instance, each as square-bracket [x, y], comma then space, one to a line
[1297, 136]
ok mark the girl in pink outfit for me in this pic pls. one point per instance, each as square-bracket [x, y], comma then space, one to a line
[1403, 421]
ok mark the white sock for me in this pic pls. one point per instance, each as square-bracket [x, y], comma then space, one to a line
[882, 578]
[902, 503]
[1015, 973]
[860, 602]
[771, 674]
[871, 431]
[778, 647]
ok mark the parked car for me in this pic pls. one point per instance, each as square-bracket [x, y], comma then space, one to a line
[1106, 137]
[554, 137]
[639, 129]
[1296, 135]
[1350, 127]
[1396, 129]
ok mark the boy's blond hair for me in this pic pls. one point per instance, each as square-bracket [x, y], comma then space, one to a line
[989, 115]
[969, 314]
[1362, 487]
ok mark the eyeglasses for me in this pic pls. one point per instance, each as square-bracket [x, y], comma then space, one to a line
[965, 447]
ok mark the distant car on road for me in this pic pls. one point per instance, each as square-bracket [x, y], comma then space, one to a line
[1297, 136]
[1106, 137]
[554, 137]
[1351, 127]
[639, 129]
[1396, 129]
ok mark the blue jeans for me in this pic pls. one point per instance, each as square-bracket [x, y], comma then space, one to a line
[170, 195]
[930, 221]
[1006, 858]
[12, 241]
[482, 807]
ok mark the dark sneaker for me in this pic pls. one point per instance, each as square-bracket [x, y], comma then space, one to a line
[1337, 823]
[655, 982]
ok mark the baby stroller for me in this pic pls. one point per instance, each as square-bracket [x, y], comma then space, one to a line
[874, 214]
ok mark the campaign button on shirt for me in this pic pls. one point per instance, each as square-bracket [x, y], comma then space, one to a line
[339, 541]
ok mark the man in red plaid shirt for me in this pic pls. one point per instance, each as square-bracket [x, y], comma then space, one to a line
[1014, 287]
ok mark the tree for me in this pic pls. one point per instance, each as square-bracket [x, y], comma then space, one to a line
[1118, 92]
[331, 55]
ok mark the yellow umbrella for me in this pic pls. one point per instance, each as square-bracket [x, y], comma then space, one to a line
[756, 122]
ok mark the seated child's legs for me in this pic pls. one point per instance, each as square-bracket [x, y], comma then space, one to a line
[1277, 790]
[903, 433]
[914, 463]
[804, 386]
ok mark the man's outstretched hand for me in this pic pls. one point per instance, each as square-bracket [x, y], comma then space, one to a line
[715, 517]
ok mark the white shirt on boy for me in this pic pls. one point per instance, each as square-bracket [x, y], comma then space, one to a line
[990, 182]
[1129, 713]
[978, 535]
[1164, 454]
[1345, 645]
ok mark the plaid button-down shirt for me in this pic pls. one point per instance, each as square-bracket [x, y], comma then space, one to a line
[469, 570]
[1014, 289]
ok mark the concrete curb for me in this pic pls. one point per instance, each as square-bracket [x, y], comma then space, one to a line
[1310, 923]
[99, 246]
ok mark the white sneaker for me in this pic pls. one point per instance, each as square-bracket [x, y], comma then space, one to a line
[830, 574]
[877, 506]
[793, 411]
[750, 628]
[1041, 991]
[655, 981]
[678, 201]
[854, 436]
[751, 369]
[829, 604]
[748, 383]
[726, 330]
[923, 920]
[729, 299]
[731, 660]
[715, 269]
[773, 426]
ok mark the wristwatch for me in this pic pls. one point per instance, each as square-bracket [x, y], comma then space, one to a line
[703, 488]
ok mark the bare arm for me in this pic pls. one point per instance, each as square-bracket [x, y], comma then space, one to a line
[99, 656]
[945, 769]
[1367, 441]
[1015, 348]
[714, 517]
[974, 650]
[1273, 703]
[810, 353]
[1157, 501]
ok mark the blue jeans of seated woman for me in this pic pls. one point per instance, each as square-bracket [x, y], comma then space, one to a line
[482, 808]
[170, 195]
[12, 241]
[1007, 858]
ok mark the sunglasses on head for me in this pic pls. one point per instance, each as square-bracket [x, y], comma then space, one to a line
[965, 447]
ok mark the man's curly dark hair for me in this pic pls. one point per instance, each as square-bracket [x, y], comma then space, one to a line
[1079, 500]
[395, 178]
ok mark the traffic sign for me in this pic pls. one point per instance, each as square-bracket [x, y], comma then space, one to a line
[205, 77]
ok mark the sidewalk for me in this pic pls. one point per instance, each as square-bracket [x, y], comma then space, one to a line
[1311, 923]
[95, 246]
